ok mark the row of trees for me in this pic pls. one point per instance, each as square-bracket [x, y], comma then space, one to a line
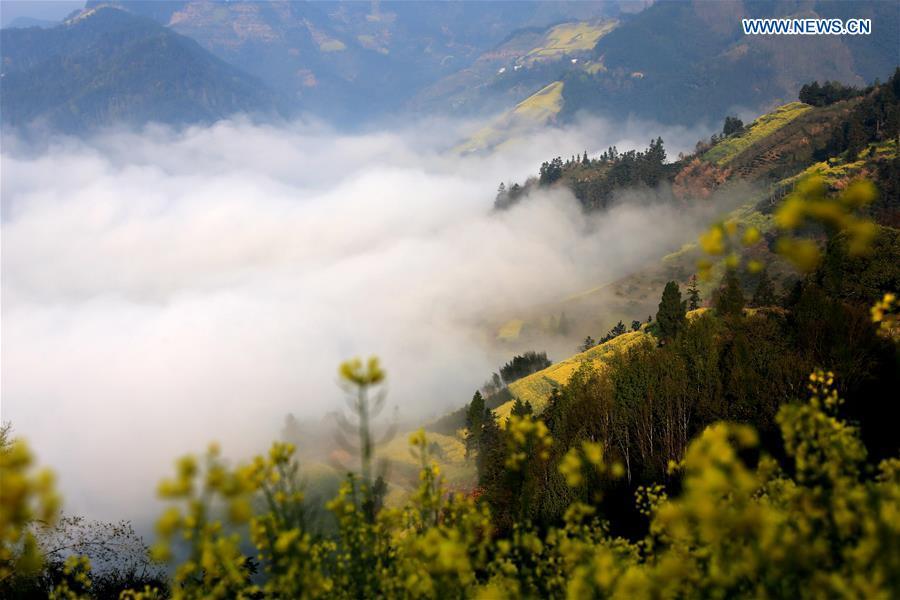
[594, 181]
[828, 93]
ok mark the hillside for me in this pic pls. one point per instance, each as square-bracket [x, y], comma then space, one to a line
[760, 164]
[654, 65]
[538, 110]
[354, 61]
[107, 66]
[659, 54]
[528, 60]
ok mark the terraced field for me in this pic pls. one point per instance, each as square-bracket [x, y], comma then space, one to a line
[726, 150]
[568, 38]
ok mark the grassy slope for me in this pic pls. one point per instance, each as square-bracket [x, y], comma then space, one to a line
[569, 38]
[776, 147]
[538, 109]
[764, 126]
[536, 387]
[516, 68]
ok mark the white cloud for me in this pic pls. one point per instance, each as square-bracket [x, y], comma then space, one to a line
[162, 289]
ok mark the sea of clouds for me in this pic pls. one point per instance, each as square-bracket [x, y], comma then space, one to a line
[161, 288]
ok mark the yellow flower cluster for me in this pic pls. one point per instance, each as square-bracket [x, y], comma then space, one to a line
[527, 437]
[26, 496]
[591, 454]
[826, 527]
[727, 239]
[886, 313]
[809, 203]
[356, 373]
[76, 580]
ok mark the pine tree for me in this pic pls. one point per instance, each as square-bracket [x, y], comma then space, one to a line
[730, 299]
[765, 291]
[474, 422]
[587, 345]
[520, 409]
[635, 325]
[671, 315]
[490, 453]
[693, 294]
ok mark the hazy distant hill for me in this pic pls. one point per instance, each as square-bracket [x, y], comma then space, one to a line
[526, 61]
[685, 61]
[674, 62]
[25, 22]
[106, 66]
[351, 61]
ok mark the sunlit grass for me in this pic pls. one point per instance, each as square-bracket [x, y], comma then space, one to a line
[568, 38]
[726, 150]
[538, 109]
[536, 388]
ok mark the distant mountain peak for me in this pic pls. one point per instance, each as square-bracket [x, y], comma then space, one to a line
[105, 66]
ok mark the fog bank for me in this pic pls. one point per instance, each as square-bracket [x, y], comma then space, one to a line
[162, 289]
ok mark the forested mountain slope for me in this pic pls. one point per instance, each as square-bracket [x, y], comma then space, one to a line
[351, 62]
[754, 338]
[106, 66]
[657, 65]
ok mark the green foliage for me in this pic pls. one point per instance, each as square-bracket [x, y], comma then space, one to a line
[595, 181]
[523, 365]
[827, 93]
[670, 318]
[732, 126]
[588, 343]
[737, 521]
[764, 294]
[729, 298]
[475, 416]
[693, 293]
[817, 525]
[726, 150]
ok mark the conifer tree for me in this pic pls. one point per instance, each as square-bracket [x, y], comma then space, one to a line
[730, 299]
[520, 409]
[765, 291]
[693, 294]
[474, 421]
[671, 314]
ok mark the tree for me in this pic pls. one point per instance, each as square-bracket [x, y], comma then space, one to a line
[765, 291]
[521, 409]
[589, 343]
[811, 94]
[474, 420]
[729, 299]
[693, 293]
[671, 315]
[732, 125]
[552, 171]
[524, 365]
[635, 325]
